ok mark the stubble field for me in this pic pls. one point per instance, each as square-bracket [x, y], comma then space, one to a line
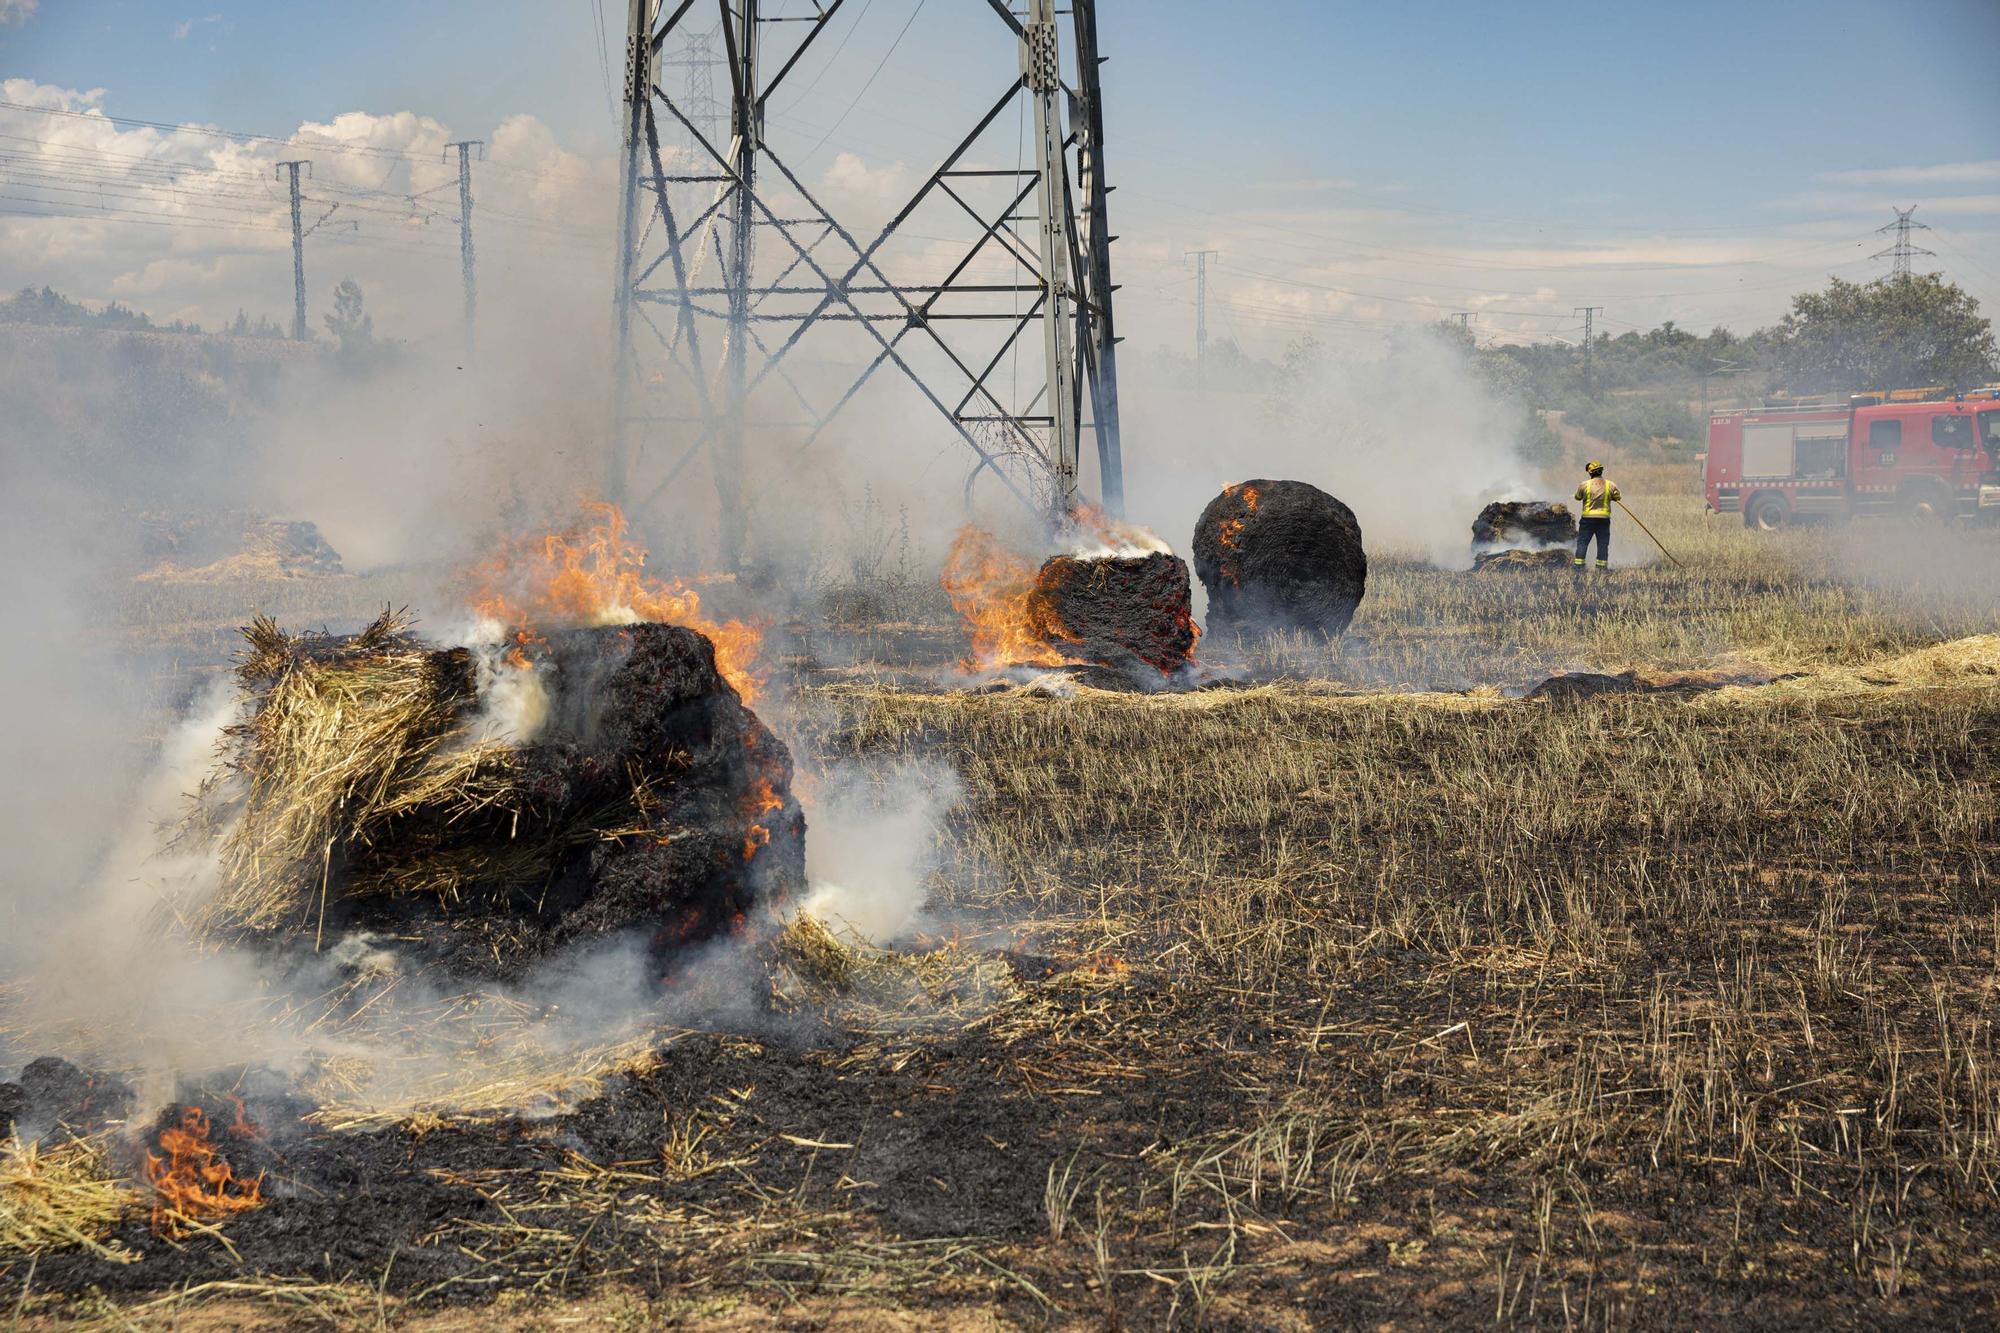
[1362, 991]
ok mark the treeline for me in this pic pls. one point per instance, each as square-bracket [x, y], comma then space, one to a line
[51, 309]
[1651, 386]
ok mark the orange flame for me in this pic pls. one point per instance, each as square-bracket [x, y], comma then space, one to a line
[597, 576]
[761, 800]
[194, 1182]
[1230, 529]
[996, 593]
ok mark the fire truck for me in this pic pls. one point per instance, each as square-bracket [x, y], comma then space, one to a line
[1919, 453]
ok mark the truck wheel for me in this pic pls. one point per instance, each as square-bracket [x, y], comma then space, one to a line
[1926, 504]
[1768, 513]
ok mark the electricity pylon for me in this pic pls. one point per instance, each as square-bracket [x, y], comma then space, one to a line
[765, 256]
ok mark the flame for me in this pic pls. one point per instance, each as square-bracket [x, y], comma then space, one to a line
[597, 576]
[1099, 534]
[192, 1180]
[759, 801]
[996, 593]
[1230, 529]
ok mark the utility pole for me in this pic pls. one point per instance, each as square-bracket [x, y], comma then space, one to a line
[298, 252]
[1588, 312]
[1900, 253]
[1201, 258]
[465, 147]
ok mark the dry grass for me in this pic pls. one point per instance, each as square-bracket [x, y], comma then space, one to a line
[61, 1198]
[1330, 1005]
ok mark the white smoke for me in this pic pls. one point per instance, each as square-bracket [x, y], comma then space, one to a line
[1412, 440]
[871, 845]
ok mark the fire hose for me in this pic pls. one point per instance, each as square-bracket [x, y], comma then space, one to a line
[1649, 532]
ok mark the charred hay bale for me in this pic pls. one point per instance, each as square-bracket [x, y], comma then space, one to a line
[1577, 686]
[53, 1097]
[1125, 612]
[1514, 560]
[1523, 523]
[1279, 555]
[629, 791]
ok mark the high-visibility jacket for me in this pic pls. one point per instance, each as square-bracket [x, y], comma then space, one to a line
[1597, 494]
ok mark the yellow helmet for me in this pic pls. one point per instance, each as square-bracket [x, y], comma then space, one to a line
[1593, 467]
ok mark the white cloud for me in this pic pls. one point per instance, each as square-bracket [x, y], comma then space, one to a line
[187, 26]
[194, 224]
[1943, 173]
[852, 182]
[16, 11]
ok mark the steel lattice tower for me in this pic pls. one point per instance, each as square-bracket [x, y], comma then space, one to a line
[740, 281]
[1901, 252]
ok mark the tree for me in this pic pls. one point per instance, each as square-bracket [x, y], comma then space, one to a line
[350, 321]
[1893, 333]
[353, 327]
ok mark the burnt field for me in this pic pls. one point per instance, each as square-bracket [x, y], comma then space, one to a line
[1318, 999]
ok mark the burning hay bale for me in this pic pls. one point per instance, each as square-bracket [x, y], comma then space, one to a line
[1125, 607]
[1277, 555]
[1512, 535]
[484, 813]
[1120, 611]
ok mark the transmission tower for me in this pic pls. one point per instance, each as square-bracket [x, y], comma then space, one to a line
[696, 61]
[1589, 313]
[1900, 253]
[1201, 258]
[729, 325]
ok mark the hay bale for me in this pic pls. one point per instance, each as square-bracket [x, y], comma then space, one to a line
[55, 1099]
[1125, 612]
[1526, 524]
[1280, 555]
[648, 799]
[1577, 686]
[1514, 560]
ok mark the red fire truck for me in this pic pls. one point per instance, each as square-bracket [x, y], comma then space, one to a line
[1919, 453]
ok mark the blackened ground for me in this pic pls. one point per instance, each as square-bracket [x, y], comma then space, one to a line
[717, 837]
[1279, 555]
[1525, 523]
[1131, 613]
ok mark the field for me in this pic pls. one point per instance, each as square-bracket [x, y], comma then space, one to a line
[1362, 991]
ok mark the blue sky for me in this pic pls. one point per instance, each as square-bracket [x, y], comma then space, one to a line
[1686, 161]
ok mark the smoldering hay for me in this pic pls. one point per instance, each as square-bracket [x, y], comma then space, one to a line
[1279, 555]
[365, 795]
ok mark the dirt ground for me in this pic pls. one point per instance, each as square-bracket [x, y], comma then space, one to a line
[1365, 990]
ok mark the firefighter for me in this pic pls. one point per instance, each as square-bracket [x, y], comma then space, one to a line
[1596, 495]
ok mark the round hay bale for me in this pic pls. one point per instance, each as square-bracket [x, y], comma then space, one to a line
[1277, 555]
[645, 798]
[1126, 612]
[1523, 523]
